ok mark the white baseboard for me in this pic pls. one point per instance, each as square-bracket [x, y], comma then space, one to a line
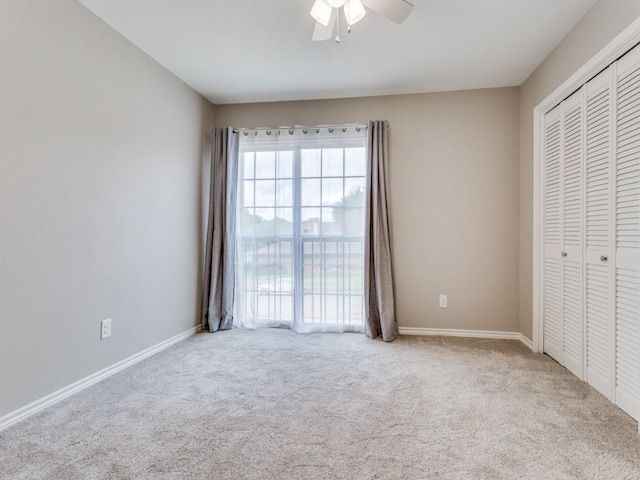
[528, 343]
[28, 410]
[443, 332]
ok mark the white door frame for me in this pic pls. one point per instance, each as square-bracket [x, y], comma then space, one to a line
[626, 40]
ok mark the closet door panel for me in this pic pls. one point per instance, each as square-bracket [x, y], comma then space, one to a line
[627, 234]
[598, 163]
[572, 231]
[553, 285]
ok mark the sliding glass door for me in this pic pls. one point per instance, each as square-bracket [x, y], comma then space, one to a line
[301, 230]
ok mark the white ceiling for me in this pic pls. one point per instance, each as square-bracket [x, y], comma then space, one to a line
[239, 51]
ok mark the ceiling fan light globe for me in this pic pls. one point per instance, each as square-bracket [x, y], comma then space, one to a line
[336, 3]
[354, 11]
[321, 12]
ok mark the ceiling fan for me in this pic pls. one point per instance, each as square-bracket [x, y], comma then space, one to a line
[327, 14]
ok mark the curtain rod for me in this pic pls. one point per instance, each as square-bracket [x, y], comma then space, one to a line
[331, 128]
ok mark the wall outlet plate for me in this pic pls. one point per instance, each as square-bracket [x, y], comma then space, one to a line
[105, 329]
[443, 301]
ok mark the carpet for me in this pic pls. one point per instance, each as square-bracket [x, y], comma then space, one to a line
[273, 404]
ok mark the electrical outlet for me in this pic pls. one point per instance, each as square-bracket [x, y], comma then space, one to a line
[443, 301]
[105, 328]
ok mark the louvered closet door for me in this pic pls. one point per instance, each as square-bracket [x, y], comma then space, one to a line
[572, 232]
[599, 308]
[627, 235]
[552, 307]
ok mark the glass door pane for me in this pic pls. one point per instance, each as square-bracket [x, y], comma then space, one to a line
[332, 251]
[301, 237]
[266, 238]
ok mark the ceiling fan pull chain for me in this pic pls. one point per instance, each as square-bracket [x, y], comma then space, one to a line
[337, 25]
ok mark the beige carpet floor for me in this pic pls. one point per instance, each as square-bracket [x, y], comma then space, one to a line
[273, 404]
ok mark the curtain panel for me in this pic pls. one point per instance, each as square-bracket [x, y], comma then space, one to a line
[380, 318]
[219, 268]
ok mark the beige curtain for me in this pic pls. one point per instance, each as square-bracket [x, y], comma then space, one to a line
[380, 318]
[219, 268]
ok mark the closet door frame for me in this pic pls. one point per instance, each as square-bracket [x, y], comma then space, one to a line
[624, 42]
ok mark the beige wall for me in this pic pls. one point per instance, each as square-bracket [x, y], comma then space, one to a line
[454, 197]
[596, 29]
[100, 154]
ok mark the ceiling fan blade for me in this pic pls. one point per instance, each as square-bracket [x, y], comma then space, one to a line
[395, 10]
[322, 33]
